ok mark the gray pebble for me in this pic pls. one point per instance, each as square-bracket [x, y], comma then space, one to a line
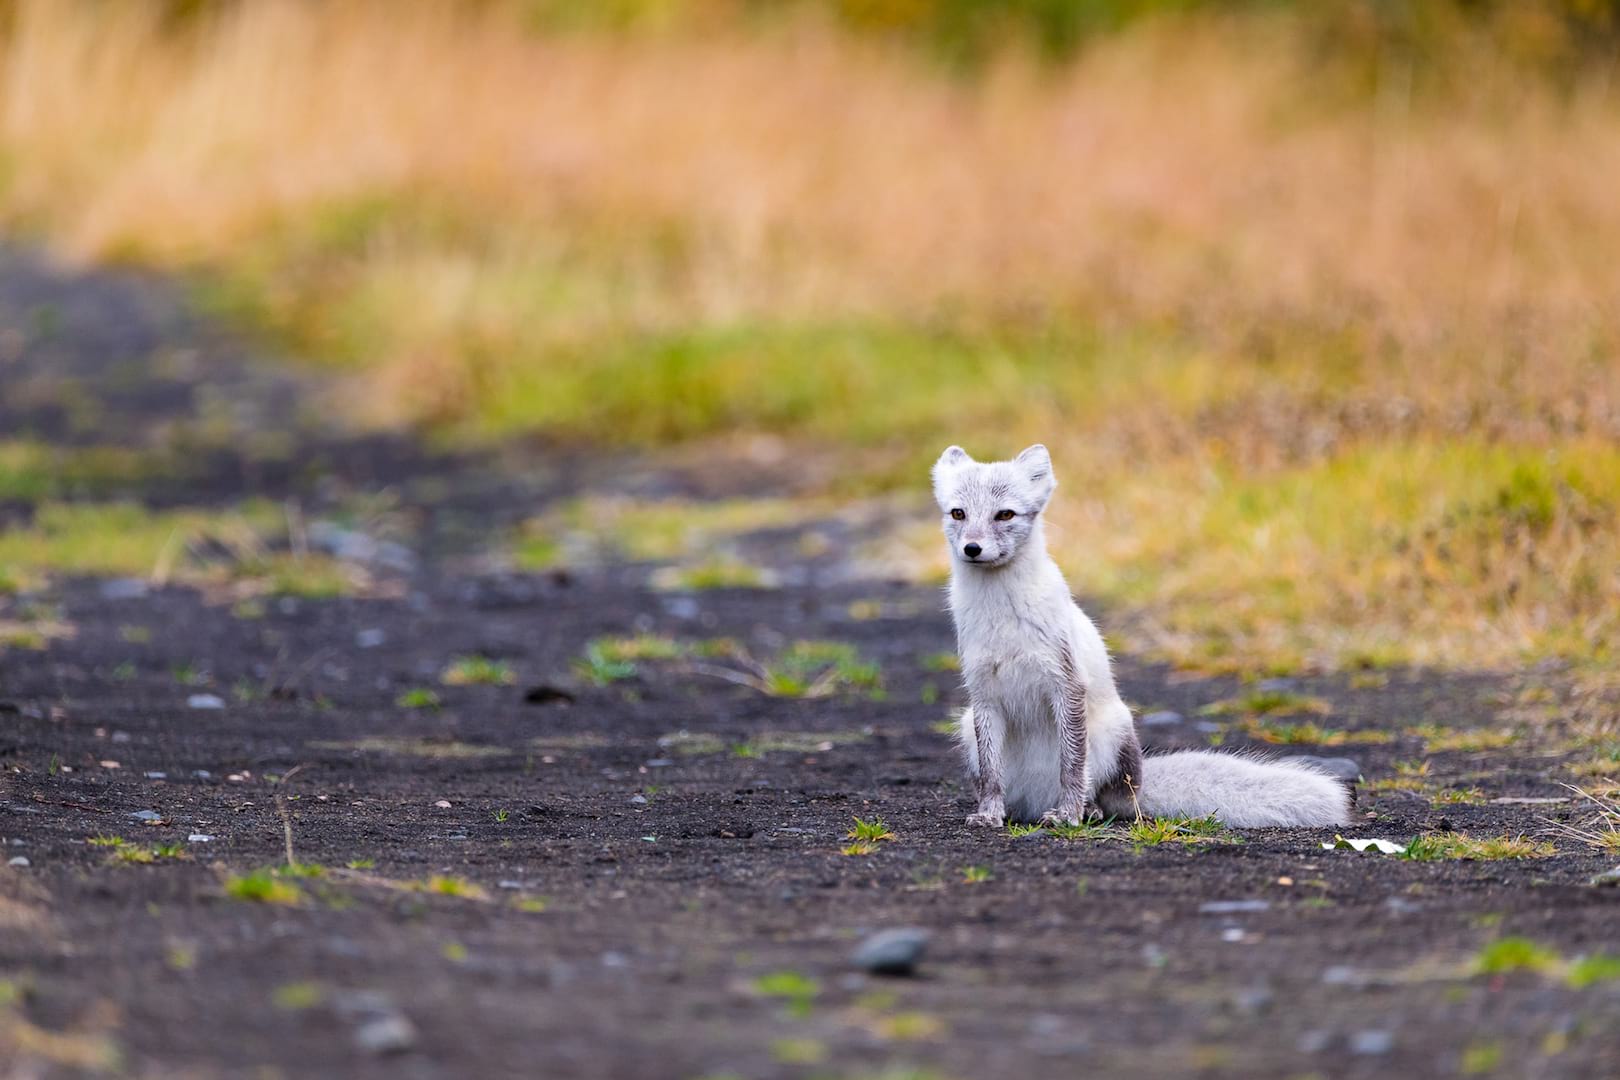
[1371, 1043]
[1277, 686]
[369, 639]
[660, 763]
[1207, 727]
[199, 838]
[391, 1033]
[18, 860]
[147, 815]
[892, 952]
[1314, 1042]
[638, 800]
[205, 701]
[1233, 907]
[1162, 718]
[123, 589]
[157, 776]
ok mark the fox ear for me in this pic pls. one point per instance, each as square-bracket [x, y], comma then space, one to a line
[953, 457]
[1036, 465]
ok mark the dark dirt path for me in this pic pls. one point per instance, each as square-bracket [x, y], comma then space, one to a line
[640, 874]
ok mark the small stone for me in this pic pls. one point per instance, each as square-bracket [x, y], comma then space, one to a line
[509, 884]
[199, 838]
[1340, 768]
[1314, 1042]
[369, 639]
[638, 800]
[892, 952]
[147, 815]
[157, 776]
[546, 694]
[1277, 686]
[1253, 999]
[205, 701]
[1162, 718]
[123, 589]
[457, 836]
[18, 860]
[615, 960]
[1233, 934]
[1206, 727]
[1609, 878]
[1233, 907]
[443, 804]
[1372, 1043]
[391, 1033]
[660, 763]
[202, 774]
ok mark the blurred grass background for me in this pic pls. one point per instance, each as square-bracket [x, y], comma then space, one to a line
[1315, 303]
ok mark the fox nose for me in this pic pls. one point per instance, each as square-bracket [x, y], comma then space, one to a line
[971, 550]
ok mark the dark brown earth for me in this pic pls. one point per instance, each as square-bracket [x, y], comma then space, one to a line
[605, 936]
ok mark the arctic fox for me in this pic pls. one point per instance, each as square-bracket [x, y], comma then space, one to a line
[1046, 735]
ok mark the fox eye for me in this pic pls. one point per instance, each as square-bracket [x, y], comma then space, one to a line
[959, 515]
[1005, 515]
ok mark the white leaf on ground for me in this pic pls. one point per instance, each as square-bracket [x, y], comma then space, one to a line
[1386, 847]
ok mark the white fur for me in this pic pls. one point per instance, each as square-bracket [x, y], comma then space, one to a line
[1015, 619]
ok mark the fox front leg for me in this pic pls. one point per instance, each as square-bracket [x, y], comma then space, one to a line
[1074, 773]
[987, 735]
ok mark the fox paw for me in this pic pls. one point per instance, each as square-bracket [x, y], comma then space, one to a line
[989, 819]
[1061, 816]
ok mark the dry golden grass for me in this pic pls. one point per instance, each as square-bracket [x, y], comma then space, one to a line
[1329, 378]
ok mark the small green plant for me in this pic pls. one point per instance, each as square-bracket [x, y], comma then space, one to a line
[446, 885]
[798, 990]
[870, 831]
[501, 816]
[361, 864]
[859, 847]
[1479, 1058]
[418, 698]
[1268, 703]
[599, 667]
[941, 661]
[976, 875]
[477, 671]
[1453, 796]
[1309, 734]
[263, 887]
[1515, 954]
[1593, 969]
[297, 996]
[1431, 847]
[106, 841]
[1437, 739]
[639, 647]
[1150, 832]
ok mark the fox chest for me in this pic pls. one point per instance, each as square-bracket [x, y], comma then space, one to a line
[1021, 688]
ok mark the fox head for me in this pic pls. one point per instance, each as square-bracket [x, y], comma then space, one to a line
[991, 508]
